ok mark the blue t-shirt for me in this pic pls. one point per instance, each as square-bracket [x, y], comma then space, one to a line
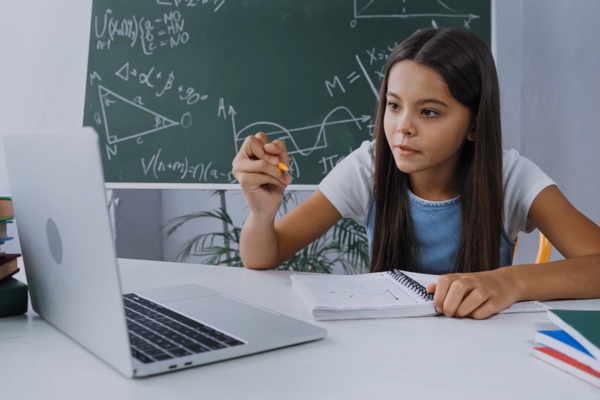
[437, 227]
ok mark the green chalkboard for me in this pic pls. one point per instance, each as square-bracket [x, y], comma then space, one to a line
[174, 86]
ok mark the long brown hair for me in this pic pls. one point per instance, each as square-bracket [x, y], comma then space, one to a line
[467, 66]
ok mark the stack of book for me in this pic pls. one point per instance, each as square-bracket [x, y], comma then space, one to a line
[6, 218]
[575, 348]
[13, 293]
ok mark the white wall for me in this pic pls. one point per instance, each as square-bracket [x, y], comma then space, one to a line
[44, 61]
[42, 70]
[561, 95]
[44, 51]
[548, 61]
[548, 58]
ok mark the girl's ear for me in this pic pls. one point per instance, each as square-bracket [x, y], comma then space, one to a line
[471, 133]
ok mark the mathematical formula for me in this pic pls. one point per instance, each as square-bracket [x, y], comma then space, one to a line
[175, 77]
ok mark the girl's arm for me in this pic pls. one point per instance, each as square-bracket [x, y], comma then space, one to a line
[576, 237]
[264, 244]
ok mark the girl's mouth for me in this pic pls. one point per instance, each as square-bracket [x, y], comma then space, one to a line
[406, 151]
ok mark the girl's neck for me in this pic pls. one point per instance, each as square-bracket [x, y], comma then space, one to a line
[436, 188]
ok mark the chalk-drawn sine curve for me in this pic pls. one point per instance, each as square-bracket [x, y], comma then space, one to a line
[286, 134]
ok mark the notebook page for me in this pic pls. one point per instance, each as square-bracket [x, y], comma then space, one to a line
[357, 291]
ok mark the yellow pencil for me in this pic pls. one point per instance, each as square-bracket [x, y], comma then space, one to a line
[283, 167]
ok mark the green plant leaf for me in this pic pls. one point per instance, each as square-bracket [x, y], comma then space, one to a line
[345, 244]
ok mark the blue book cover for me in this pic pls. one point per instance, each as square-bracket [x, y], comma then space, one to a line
[565, 338]
[561, 341]
[4, 230]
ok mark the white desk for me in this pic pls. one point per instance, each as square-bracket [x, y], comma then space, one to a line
[432, 357]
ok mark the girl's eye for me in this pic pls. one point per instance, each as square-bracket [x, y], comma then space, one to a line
[430, 113]
[393, 106]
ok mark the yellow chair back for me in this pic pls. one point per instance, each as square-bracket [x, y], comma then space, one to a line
[544, 250]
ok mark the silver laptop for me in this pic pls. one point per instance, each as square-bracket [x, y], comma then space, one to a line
[61, 208]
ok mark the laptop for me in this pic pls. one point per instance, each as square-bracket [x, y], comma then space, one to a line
[60, 204]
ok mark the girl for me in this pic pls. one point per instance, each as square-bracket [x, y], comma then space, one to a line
[435, 190]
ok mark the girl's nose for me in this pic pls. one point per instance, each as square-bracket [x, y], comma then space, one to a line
[405, 125]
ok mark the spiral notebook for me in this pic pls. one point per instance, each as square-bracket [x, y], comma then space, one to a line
[388, 294]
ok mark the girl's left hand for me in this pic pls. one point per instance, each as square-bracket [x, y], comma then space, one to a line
[477, 295]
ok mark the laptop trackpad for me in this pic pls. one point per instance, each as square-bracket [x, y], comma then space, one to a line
[177, 292]
[220, 311]
[206, 305]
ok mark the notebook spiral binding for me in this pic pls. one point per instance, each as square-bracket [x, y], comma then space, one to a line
[411, 284]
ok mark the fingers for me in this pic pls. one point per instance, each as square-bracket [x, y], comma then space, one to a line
[456, 295]
[258, 147]
[277, 148]
[254, 173]
[431, 288]
[441, 290]
[473, 301]
[262, 137]
[253, 147]
[256, 163]
[458, 290]
[476, 295]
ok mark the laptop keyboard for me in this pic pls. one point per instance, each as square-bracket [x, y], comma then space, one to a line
[157, 333]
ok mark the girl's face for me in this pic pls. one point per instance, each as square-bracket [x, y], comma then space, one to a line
[424, 125]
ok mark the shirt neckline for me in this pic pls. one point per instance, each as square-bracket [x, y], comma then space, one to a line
[416, 199]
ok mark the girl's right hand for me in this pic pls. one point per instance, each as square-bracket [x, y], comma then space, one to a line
[256, 169]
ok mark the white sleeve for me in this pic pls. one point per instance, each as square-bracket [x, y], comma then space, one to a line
[523, 181]
[349, 185]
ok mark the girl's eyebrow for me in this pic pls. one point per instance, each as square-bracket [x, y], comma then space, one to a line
[436, 101]
[420, 102]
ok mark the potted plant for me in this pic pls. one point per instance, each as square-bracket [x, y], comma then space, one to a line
[345, 244]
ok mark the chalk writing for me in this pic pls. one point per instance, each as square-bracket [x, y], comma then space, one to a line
[199, 172]
[174, 87]
[191, 3]
[150, 34]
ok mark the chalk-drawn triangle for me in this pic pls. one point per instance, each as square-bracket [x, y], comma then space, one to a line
[123, 72]
[123, 119]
